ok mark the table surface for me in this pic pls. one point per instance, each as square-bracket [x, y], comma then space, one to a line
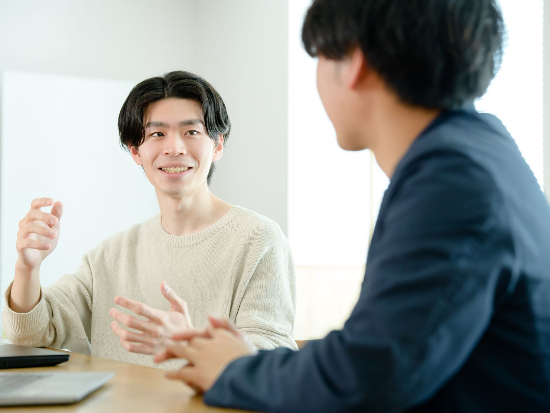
[133, 389]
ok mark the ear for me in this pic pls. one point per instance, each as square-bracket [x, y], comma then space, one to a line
[218, 149]
[135, 155]
[357, 68]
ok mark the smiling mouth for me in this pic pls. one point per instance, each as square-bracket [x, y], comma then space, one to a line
[175, 170]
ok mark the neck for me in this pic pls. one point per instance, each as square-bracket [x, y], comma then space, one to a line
[192, 213]
[395, 130]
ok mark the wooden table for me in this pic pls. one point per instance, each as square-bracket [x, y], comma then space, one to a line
[133, 389]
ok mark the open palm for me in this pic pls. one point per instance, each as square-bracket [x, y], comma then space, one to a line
[158, 327]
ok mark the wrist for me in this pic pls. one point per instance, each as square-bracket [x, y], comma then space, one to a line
[25, 290]
[24, 271]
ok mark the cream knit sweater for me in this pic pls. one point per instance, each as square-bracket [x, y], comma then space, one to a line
[240, 267]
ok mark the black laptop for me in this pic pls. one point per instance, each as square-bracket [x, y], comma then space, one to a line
[12, 356]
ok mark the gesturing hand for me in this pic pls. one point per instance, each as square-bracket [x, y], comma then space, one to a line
[158, 327]
[38, 233]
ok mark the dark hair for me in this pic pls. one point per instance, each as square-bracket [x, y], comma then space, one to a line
[438, 54]
[181, 85]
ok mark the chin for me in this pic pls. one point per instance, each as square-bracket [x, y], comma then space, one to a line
[350, 143]
[172, 192]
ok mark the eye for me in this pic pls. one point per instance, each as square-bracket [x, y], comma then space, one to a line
[192, 132]
[157, 134]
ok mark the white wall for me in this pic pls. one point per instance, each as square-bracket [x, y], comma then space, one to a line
[546, 99]
[102, 38]
[242, 49]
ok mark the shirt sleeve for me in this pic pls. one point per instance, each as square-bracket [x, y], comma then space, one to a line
[436, 268]
[62, 317]
[266, 304]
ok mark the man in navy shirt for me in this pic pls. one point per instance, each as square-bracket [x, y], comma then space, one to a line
[454, 313]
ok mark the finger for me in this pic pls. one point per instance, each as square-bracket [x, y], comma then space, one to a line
[131, 336]
[132, 322]
[181, 350]
[41, 202]
[225, 324]
[187, 374]
[137, 348]
[34, 228]
[210, 330]
[177, 303]
[163, 355]
[23, 244]
[196, 388]
[57, 210]
[189, 334]
[198, 342]
[138, 308]
[37, 215]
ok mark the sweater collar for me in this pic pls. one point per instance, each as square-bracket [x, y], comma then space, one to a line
[193, 239]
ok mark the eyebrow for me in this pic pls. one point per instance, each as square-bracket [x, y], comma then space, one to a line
[187, 122]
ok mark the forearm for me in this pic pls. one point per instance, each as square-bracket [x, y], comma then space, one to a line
[325, 376]
[278, 380]
[25, 291]
[32, 328]
[61, 319]
[267, 309]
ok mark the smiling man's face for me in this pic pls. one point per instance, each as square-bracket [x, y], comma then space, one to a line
[177, 151]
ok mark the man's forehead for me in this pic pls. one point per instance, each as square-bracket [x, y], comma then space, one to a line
[173, 112]
[164, 124]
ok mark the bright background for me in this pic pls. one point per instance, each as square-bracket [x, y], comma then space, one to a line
[67, 65]
[60, 140]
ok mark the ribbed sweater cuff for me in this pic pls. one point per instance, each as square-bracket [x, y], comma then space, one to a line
[23, 324]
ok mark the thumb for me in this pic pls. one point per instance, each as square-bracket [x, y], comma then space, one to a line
[177, 303]
[57, 209]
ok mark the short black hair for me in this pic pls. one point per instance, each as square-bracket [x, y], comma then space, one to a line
[177, 84]
[437, 54]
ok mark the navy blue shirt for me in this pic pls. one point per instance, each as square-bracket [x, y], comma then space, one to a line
[454, 311]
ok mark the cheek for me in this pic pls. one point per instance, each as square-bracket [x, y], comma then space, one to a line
[202, 153]
[319, 82]
[146, 159]
[323, 88]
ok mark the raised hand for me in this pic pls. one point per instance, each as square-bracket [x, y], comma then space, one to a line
[38, 233]
[158, 327]
[36, 239]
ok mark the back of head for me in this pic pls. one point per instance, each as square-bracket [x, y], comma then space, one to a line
[437, 54]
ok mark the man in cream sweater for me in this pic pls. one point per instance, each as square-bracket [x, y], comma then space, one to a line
[201, 256]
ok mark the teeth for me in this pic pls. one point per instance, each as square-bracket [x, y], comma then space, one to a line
[175, 170]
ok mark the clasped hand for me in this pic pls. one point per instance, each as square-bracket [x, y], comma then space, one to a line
[208, 352]
[158, 327]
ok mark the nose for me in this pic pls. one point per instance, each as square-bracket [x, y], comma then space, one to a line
[174, 145]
